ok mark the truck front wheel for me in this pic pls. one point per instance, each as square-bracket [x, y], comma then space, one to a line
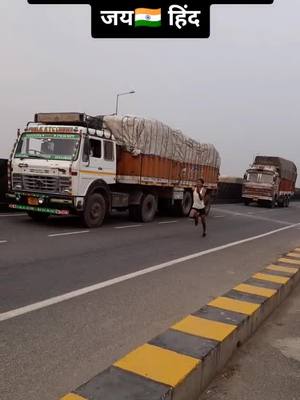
[94, 211]
[281, 202]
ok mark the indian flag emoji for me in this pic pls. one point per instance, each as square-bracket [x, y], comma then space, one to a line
[148, 17]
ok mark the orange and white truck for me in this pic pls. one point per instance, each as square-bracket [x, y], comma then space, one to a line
[270, 181]
[71, 163]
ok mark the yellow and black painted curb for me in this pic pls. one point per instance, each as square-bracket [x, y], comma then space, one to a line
[180, 363]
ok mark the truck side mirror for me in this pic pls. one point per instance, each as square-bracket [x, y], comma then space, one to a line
[245, 177]
[86, 151]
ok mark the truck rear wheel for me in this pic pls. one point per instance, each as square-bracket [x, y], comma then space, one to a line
[148, 208]
[145, 211]
[287, 201]
[37, 216]
[183, 207]
[94, 211]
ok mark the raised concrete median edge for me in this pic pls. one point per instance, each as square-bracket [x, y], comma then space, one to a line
[180, 363]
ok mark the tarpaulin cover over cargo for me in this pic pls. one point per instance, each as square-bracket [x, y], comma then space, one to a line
[154, 138]
[287, 169]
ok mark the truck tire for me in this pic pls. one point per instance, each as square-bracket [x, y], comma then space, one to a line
[183, 207]
[281, 202]
[287, 201]
[246, 202]
[147, 209]
[94, 211]
[37, 216]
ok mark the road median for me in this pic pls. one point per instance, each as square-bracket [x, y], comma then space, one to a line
[179, 363]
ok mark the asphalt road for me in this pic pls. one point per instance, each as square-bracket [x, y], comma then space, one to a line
[49, 351]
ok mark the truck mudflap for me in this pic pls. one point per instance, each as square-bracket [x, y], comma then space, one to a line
[52, 211]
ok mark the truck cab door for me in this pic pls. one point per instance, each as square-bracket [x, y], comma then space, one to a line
[91, 165]
[109, 161]
[94, 165]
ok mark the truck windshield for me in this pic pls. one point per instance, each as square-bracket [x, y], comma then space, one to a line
[48, 146]
[256, 177]
[253, 177]
[267, 178]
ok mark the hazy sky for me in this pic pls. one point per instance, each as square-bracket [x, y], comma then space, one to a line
[239, 90]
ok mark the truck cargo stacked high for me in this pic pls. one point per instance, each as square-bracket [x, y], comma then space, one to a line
[270, 181]
[173, 158]
[71, 163]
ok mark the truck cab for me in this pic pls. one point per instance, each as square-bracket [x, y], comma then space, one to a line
[55, 165]
[261, 185]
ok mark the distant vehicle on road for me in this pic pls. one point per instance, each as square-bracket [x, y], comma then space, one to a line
[270, 181]
[71, 163]
[3, 181]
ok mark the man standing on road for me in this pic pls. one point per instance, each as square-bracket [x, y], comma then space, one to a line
[198, 208]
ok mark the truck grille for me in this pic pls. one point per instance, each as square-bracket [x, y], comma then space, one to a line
[41, 183]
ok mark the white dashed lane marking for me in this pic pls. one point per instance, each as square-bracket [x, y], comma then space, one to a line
[67, 233]
[127, 226]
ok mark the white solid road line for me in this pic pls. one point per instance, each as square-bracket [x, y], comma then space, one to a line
[67, 233]
[3, 241]
[127, 226]
[11, 215]
[76, 293]
[253, 216]
[167, 222]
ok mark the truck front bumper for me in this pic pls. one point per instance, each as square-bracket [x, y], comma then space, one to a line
[41, 203]
[46, 210]
[256, 197]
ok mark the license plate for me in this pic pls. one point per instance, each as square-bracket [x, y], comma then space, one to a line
[33, 201]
